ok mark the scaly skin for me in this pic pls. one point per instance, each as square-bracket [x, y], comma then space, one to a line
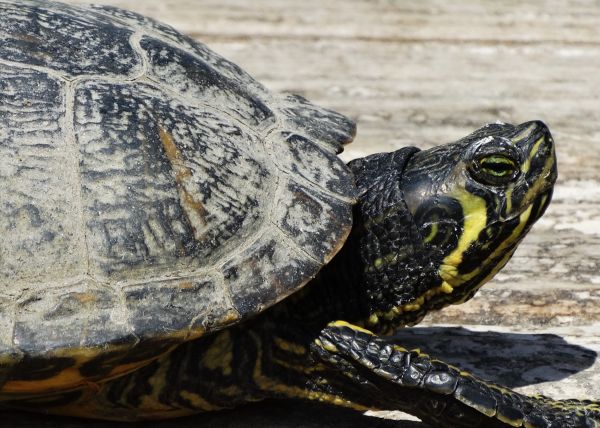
[440, 394]
[430, 228]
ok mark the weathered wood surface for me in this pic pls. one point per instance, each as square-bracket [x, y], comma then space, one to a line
[423, 73]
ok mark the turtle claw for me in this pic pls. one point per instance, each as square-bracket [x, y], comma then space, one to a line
[439, 393]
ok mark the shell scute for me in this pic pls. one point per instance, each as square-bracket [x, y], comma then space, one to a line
[180, 183]
[75, 316]
[332, 130]
[304, 159]
[168, 307]
[265, 272]
[168, 34]
[64, 39]
[301, 209]
[184, 73]
[36, 200]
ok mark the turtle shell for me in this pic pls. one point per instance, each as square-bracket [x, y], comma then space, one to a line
[150, 192]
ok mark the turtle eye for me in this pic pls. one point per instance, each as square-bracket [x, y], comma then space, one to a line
[495, 169]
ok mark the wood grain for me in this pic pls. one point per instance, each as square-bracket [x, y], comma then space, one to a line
[424, 73]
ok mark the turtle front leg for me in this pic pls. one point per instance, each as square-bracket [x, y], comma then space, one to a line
[394, 378]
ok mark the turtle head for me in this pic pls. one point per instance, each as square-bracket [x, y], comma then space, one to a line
[463, 208]
[473, 201]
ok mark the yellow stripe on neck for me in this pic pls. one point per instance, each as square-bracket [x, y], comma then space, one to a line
[475, 220]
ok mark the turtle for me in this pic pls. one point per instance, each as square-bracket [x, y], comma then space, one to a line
[175, 238]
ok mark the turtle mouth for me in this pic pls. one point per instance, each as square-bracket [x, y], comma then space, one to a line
[539, 206]
[533, 190]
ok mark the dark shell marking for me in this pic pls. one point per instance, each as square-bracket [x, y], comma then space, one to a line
[150, 191]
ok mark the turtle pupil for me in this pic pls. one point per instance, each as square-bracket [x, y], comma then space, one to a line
[497, 168]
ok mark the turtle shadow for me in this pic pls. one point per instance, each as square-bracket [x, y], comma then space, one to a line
[510, 359]
[267, 414]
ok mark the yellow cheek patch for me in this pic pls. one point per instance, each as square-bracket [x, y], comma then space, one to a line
[516, 234]
[475, 220]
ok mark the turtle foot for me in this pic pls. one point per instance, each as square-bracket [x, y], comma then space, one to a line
[442, 395]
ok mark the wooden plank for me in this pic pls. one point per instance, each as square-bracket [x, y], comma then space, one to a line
[511, 21]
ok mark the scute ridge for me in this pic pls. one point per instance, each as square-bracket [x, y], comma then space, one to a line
[172, 37]
[329, 129]
[52, 73]
[71, 144]
[301, 158]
